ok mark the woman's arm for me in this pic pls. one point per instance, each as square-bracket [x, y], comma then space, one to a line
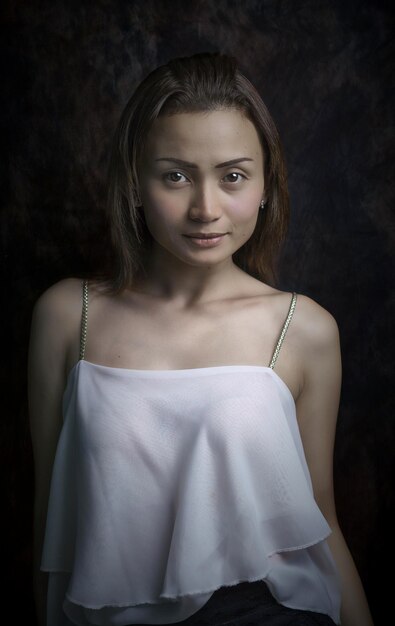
[317, 408]
[54, 324]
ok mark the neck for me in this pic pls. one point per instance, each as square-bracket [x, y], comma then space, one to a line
[167, 277]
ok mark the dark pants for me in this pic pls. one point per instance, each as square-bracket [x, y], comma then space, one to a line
[250, 604]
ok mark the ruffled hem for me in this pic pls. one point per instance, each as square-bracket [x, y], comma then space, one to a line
[180, 576]
[184, 607]
[285, 576]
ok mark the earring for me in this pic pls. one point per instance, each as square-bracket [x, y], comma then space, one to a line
[262, 205]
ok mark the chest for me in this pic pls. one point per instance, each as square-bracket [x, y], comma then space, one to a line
[172, 340]
[167, 339]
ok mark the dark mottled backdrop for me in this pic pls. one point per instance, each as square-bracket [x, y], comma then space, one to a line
[325, 70]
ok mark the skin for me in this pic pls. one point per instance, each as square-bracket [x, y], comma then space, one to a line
[197, 289]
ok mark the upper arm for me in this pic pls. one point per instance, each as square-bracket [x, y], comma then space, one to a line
[318, 403]
[54, 326]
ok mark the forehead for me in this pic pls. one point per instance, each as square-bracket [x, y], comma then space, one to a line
[219, 135]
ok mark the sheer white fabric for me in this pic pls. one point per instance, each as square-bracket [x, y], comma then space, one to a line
[170, 484]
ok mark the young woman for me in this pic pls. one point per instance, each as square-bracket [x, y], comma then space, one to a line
[183, 412]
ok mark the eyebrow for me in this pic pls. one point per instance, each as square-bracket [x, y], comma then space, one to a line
[193, 165]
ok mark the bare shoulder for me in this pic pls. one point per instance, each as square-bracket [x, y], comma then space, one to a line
[60, 301]
[315, 332]
[56, 319]
[315, 327]
[311, 323]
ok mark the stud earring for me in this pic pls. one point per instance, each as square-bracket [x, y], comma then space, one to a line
[262, 205]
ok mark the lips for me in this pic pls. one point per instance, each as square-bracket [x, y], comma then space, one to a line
[205, 235]
[205, 240]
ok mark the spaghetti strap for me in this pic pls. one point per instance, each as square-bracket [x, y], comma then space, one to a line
[283, 331]
[84, 319]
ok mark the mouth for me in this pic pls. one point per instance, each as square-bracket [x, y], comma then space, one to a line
[205, 240]
[205, 235]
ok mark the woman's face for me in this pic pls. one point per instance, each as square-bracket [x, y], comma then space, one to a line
[201, 182]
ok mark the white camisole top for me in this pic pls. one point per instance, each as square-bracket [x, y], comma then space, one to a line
[169, 484]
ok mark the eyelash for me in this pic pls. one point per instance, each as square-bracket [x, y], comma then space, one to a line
[235, 174]
[174, 182]
[169, 174]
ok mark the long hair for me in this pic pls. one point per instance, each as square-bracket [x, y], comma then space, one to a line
[199, 83]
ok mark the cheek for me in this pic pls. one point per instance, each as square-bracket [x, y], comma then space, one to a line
[161, 215]
[245, 208]
[165, 206]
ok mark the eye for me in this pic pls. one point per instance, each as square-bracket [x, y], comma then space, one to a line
[175, 177]
[233, 177]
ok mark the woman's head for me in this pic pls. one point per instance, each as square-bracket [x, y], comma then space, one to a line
[200, 83]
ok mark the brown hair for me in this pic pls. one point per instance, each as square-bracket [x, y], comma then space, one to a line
[202, 82]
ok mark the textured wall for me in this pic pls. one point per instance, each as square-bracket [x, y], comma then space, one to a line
[324, 69]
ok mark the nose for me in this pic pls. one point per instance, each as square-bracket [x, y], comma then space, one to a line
[205, 205]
